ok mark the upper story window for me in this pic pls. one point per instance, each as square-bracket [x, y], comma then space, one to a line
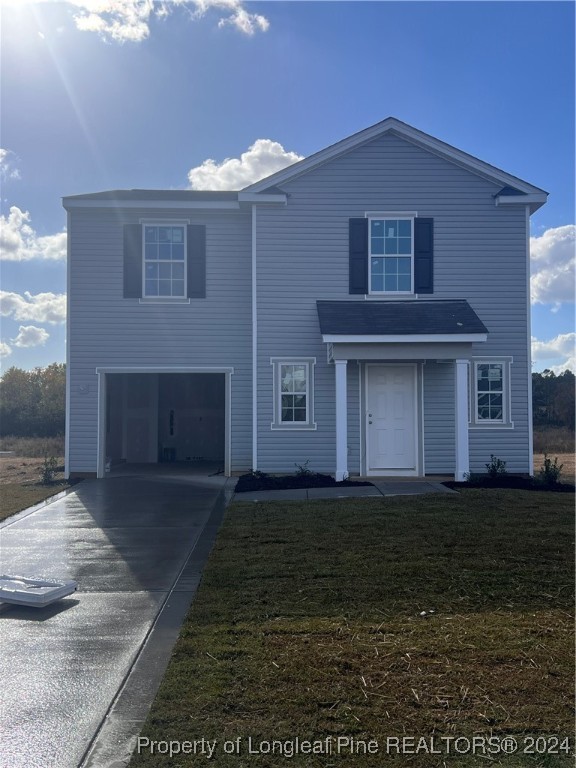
[391, 255]
[164, 261]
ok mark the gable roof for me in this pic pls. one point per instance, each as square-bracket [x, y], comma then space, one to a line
[396, 127]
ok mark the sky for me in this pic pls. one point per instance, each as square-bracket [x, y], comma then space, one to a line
[215, 94]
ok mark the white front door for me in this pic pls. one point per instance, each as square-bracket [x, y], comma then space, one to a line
[391, 435]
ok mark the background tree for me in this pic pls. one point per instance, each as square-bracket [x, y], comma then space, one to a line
[33, 403]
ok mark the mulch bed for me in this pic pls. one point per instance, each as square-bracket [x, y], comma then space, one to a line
[261, 482]
[512, 482]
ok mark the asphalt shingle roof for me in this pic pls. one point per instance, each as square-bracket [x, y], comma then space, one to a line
[394, 318]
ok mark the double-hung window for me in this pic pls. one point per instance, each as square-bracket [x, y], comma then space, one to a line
[490, 393]
[391, 255]
[164, 271]
[293, 393]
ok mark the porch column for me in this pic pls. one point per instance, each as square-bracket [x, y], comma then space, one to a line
[462, 464]
[341, 421]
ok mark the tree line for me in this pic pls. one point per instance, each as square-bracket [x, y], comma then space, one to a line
[33, 403]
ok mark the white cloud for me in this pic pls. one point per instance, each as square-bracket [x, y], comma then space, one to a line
[7, 170]
[129, 20]
[19, 242]
[5, 349]
[552, 256]
[30, 336]
[263, 158]
[561, 348]
[40, 307]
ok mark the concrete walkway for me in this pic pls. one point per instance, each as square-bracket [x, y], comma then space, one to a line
[78, 677]
[379, 488]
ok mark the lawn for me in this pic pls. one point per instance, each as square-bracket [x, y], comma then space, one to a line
[378, 619]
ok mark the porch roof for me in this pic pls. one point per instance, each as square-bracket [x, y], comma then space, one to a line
[399, 321]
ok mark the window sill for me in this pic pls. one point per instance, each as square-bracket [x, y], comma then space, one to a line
[290, 428]
[162, 300]
[490, 425]
[389, 296]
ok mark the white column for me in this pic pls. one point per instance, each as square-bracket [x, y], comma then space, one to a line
[341, 421]
[462, 466]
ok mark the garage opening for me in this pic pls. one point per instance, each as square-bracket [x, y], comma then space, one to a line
[165, 418]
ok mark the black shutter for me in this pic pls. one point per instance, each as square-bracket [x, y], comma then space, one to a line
[423, 255]
[196, 236]
[358, 259]
[132, 261]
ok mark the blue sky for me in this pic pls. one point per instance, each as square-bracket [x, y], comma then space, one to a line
[115, 95]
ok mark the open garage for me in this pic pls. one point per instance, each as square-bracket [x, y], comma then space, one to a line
[150, 417]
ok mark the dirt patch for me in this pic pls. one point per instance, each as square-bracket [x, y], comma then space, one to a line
[25, 471]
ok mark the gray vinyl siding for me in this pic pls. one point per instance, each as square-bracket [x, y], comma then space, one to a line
[480, 255]
[439, 418]
[108, 330]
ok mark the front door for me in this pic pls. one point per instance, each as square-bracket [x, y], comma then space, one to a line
[391, 419]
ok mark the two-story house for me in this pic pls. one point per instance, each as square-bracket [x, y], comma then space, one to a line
[366, 309]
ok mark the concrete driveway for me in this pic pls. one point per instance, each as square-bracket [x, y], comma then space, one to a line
[78, 677]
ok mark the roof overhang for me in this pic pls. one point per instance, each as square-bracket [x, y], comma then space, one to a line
[533, 201]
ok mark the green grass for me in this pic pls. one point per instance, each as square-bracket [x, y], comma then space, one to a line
[307, 624]
[14, 497]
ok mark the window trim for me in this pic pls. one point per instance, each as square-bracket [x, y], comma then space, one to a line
[398, 216]
[474, 421]
[183, 223]
[277, 423]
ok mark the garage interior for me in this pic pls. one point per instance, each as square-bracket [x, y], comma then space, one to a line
[165, 418]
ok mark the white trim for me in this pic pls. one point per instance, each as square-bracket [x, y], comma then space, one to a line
[397, 217]
[277, 424]
[248, 197]
[391, 215]
[68, 372]
[381, 472]
[529, 350]
[403, 338]
[152, 204]
[254, 344]
[462, 459]
[407, 132]
[103, 371]
[173, 300]
[340, 371]
[183, 225]
[422, 430]
[159, 222]
[532, 202]
[480, 424]
[101, 428]
[164, 369]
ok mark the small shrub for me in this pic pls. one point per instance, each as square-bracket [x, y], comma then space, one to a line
[302, 469]
[48, 470]
[496, 467]
[550, 471]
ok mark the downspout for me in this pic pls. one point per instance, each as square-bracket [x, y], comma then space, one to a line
[254, 348]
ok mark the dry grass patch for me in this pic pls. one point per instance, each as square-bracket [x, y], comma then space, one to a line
[308, 624]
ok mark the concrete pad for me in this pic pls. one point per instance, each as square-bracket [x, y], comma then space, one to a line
[127, 541]
[409, 487]
[293, 494]
[346, 492]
